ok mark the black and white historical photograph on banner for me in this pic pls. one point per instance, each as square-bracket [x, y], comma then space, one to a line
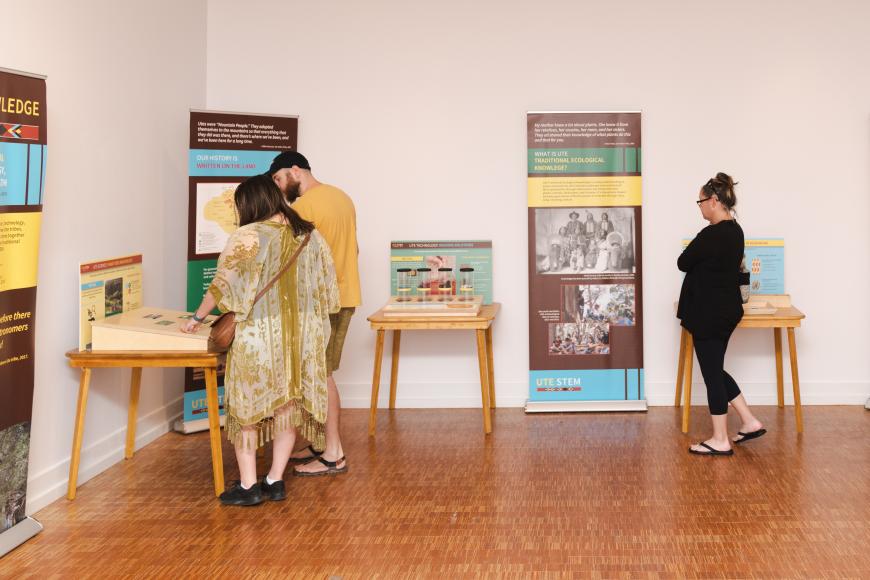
[613, 303]
[584, 240]
[588, 337]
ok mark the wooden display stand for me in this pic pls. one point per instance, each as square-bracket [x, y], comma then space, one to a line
[482, 324]
[136, 360]
[784, 315]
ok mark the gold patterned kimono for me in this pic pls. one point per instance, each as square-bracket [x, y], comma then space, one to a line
[278, 356]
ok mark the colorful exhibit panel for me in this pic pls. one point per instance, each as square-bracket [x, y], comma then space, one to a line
[106, 288]
[23, 138]
[764, 259]
[453, 260]
[225, 148]
[585, 267]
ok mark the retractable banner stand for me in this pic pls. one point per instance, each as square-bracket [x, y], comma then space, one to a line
[22, 177]
[585, 268]
[225, 149]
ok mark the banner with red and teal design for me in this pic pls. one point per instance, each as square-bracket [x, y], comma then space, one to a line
[22, 186]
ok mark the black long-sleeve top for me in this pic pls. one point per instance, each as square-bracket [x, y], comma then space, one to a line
[710, 304]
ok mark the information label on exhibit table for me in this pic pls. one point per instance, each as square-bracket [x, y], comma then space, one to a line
[764, 259]
[23, 151]
[585, 267]
[225, 148]
[106, 288]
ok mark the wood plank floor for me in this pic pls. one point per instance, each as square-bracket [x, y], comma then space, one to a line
[600, 495]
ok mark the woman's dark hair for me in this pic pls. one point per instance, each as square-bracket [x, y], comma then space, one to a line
[722, 186]
[258, 198]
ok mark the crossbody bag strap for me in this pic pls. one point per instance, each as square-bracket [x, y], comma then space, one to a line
[284, 269]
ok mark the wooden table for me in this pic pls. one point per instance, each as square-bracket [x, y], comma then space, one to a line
[87, 360]
[788, 318]
[482, 324]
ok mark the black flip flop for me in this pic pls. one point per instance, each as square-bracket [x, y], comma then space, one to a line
[748, 436]
[332, 468]
[711, 451]
[314, 455]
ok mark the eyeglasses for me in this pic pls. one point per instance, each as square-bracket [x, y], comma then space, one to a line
[700, 201]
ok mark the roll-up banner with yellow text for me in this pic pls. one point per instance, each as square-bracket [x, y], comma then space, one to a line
[585, 268]
[22, 185]
[225, 148]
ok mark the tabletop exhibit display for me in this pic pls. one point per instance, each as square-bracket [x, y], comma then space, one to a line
[149, 329]
[439, 278]
[23, 138]
[585, 267]
[225, 148]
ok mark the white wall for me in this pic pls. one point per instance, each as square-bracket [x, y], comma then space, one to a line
[121, 78]
[417, 110]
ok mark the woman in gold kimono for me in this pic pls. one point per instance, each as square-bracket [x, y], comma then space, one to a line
[275, 381]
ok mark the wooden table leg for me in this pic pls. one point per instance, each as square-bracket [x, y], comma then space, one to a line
[214, 428]
[394, 371]
[81, 408]
[777, 348]
[681, 364]
[795, 382]
[135, 382]
[376, 382]
[687, 383]
[490, 365]
[484, 380]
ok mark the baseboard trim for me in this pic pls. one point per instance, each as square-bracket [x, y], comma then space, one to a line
[51, 483]
[764, 393]
[585, 406]
[421, 395]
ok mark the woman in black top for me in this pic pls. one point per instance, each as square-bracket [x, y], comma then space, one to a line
[710, 308]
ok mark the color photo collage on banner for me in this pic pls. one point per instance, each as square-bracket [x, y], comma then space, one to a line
[585, 295]
[225, 148]
[23, 138]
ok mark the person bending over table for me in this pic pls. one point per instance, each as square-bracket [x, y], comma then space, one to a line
[275, 381]
[710, 308]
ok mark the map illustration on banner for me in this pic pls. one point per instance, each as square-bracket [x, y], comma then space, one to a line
[225, 148]
[215, 216]
[585, 269]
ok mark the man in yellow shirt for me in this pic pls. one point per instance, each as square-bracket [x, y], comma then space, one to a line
[333, 214]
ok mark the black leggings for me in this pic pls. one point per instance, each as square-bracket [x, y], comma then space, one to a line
[721, 387]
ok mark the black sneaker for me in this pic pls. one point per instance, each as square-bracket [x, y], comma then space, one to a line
[237, 495]
[274, 492]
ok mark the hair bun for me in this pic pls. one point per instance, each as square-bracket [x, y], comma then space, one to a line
[722, 186]
[725, 180]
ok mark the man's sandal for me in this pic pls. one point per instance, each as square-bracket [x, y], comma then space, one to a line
[332, 468]
[314, 454]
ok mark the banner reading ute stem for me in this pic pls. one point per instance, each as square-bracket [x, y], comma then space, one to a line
[585, 267]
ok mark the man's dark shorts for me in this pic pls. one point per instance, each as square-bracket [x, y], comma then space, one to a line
[340, 321]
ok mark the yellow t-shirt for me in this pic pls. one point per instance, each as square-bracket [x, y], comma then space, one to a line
[333, 214]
